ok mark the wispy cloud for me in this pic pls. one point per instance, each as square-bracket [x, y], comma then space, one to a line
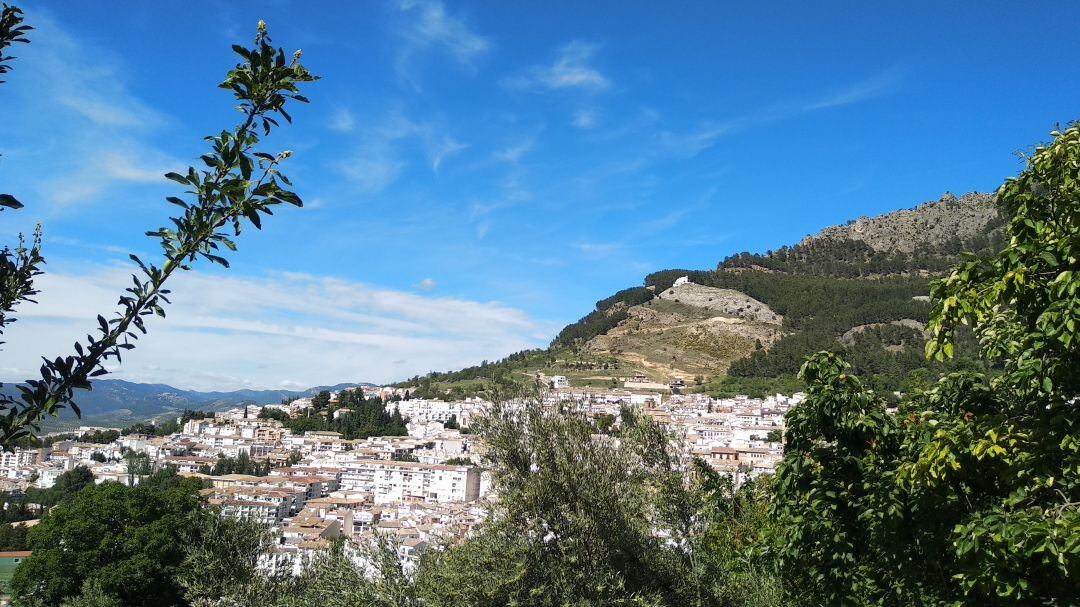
[702, 137]
[692, 141]
[514, 152]
[77, 243]
[584, 119]
[74, 127]
[876, 86]
[342, 121]
[443, 150]
[428, 25]
[376, 163]
[478, 210]
[598, 250]
[571, 69]
[385, 148]
[256, 331]
[426, 285]
[372, 173]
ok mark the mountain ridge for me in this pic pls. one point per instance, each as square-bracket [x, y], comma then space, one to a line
[858, 288]
[929, 223]
[118, 401]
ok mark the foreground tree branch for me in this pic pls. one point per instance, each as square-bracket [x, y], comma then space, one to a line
[237, 186]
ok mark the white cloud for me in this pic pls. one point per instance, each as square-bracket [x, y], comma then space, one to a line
[386, 148]
[571, 69]
[342, 121]
[443, 150]
[482, 229]
[698, 139]
[226, 331]
[426, 285]
[584, 119]
[434, 26]
[103, 168]
[372, 173]
[428, 25]
[73, 127]
[515, 152]
[377, 162]
[704, 136]
[598, 250]
[876, 86]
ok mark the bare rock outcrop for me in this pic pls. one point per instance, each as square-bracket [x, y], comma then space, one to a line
[930, 223]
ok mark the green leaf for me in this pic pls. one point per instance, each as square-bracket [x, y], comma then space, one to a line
[9, 201]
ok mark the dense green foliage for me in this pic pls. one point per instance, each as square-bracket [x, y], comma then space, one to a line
[321, 401]
[484, 378]
[856, 259]
[971, 493]
[608, 313]
[127, 542]
[154, 544]
[241, 464]
[727, 386]
[13, 537]
[32, 502]
[101, 437]
[364, 417]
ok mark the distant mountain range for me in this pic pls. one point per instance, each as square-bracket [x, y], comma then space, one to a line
[118, 402]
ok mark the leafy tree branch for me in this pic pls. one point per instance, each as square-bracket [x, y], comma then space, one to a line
[237, 186]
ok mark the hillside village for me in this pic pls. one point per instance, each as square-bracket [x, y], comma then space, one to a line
[426, 486]
[655, 350]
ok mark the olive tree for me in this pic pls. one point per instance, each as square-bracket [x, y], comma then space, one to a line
[237, 184]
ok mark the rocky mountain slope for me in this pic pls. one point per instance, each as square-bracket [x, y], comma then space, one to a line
[690, 330]
[931, 224]
[859, 289]
[713, 325]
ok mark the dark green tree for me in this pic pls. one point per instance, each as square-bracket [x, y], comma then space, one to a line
[67, 485]
[127, 542]
[321, 401]
[13, 537]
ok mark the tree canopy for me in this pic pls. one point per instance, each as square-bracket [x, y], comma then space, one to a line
[970, 494]
[127, 542]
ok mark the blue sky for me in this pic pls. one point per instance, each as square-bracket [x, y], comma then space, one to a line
[479, 174]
